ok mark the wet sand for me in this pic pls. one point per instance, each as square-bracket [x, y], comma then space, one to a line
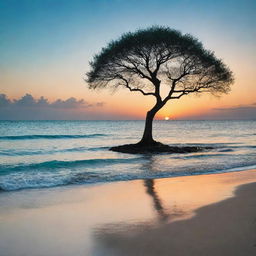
[197, 215]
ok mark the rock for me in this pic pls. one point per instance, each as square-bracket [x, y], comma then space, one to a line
[155, 148]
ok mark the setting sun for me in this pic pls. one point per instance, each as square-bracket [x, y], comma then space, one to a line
[166, 118]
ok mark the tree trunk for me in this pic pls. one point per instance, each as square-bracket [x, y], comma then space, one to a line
[147, 138]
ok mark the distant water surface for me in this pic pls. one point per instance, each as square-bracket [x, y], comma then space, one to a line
[38, 154]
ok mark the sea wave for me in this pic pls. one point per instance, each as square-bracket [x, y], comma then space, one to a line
[54, 136]
[194, 156]
[18, 181]
[55, 164]
[30, 152]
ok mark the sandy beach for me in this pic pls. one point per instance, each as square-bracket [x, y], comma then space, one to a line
[194, 215]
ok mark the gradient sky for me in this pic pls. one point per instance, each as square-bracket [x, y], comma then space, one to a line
[45, 47]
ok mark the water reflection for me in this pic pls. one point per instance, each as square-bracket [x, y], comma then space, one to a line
[157, 203]
[106, 235]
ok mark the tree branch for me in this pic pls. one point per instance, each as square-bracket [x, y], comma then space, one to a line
[186, 92]
[138, 71]
[126, 84]
[174, 81]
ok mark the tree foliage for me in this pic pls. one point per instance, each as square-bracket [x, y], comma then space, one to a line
[145, 60]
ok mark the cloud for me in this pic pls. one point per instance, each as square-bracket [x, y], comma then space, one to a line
[29, 101]
[28, 107]
[100, 104]
[70, 103]
[237, 112]
[4, 101]
[238, 108]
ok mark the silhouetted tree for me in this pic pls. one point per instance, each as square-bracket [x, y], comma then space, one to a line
[147, 59]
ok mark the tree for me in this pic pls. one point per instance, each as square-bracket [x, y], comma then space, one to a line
[148, 59]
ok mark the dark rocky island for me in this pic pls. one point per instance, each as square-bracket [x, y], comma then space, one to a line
[156, 148]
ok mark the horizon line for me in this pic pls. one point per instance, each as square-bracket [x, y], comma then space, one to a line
[170, 120]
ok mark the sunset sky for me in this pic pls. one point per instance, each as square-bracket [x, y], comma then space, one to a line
[46, 45]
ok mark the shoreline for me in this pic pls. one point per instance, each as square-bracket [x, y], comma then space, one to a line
[128, 217]
[159, 177]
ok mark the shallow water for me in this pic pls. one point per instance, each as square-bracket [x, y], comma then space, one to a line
[38, 154]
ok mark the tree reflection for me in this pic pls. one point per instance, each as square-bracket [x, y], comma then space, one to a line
[158, 205]
[152, 166]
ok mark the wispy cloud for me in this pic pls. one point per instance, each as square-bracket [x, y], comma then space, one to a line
[28, 107]
[237, 112]
[238, 108]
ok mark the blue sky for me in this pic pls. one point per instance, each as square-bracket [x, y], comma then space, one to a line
[38, 28]
[46, 45]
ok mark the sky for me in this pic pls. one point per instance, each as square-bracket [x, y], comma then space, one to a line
[46, 46]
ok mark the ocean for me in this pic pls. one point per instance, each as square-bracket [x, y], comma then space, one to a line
[42, 154]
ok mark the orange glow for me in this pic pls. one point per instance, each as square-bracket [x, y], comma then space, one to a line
[52, 83]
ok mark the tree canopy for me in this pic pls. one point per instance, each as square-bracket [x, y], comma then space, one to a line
[143, 60]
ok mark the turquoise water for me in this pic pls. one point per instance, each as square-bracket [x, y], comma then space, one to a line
[40, 154]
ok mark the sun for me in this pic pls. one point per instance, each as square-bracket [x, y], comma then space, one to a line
[166, 118]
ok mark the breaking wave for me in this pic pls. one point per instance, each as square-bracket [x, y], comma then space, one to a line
[35, 137]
